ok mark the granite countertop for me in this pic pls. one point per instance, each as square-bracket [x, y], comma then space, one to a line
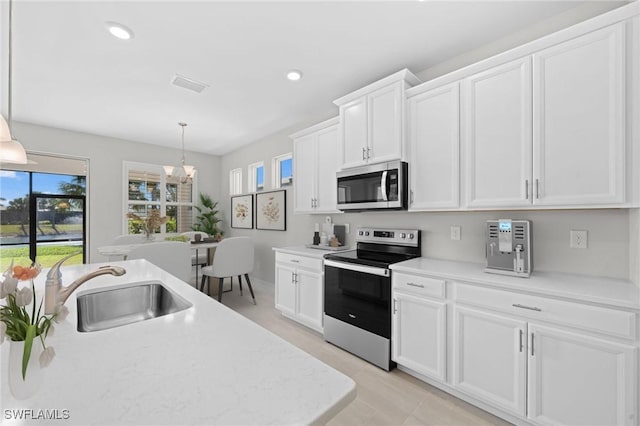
[205, 365]
[612, 292]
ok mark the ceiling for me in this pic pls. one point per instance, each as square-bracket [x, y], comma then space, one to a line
[70, 73]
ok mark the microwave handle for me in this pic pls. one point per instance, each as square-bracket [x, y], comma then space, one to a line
[383, 186]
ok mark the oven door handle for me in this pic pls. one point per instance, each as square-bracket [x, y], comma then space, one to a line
[382, 272]
[383, 186]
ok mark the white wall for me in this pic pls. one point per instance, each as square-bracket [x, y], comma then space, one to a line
[106, 156]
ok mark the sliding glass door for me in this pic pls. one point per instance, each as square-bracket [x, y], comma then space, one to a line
[43, 214]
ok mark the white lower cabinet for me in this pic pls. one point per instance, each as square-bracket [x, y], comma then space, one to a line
[419, 329]
[550, 375]
[576, 379]
[299, 289]
[529, 358]
[490, 358]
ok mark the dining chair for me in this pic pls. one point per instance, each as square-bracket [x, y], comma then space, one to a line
[129, 239]
[172, 256]
[234, 257]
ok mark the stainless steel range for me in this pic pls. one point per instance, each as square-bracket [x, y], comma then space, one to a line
[357, 292]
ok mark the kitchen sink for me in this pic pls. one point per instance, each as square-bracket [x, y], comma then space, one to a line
[114, 307]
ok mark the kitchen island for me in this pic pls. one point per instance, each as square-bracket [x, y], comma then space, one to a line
[204, 365]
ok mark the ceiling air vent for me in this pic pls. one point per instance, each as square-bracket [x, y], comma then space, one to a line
[188, 83]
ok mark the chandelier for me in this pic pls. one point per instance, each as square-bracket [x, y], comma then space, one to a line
[11, 151]
[182, 171]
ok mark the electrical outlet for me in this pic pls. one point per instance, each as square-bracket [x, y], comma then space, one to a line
[578, 239]
[327, 219]
[456, 232]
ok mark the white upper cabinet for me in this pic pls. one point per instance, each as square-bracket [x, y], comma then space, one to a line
[314, 168]
[434, 126]
[579, 129]
[372, 120]
[497, 134]
[549, 129]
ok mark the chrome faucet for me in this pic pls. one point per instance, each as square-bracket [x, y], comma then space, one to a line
[55, 294]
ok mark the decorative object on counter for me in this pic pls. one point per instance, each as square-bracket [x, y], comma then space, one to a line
[151, 223]
[316, 235]
[333, 241]
[340, 232]
[323, 239]
[271, 210]
[207, 220]
[242, 211]
[26, 329]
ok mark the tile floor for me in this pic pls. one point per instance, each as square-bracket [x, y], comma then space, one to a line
[384, 398]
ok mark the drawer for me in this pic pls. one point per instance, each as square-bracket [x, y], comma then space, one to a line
[587, 317]
[418, 284]
[300, 261]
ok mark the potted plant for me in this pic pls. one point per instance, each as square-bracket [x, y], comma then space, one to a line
[206, 220]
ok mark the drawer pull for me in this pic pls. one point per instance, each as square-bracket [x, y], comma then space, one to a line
[521, 343]
[352, 316]
[531, 308]
[416, 285]
[295, 261]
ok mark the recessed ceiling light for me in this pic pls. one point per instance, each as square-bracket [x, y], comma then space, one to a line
[119, 30]
[294, 75]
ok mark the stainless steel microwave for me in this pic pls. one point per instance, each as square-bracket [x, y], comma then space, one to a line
[373, 187]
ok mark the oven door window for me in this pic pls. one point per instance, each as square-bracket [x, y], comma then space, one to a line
[358, 298]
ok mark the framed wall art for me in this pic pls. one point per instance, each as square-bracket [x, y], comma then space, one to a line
[271, 210]
[242, 211]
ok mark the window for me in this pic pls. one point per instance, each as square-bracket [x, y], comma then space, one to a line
[235, 182]
[282, 167]
[149, 188]
[256, 177]
[43, 210]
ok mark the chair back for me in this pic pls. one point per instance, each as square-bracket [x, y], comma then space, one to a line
[172, 256]
[234, 256]
[129, 239]
[191, 234]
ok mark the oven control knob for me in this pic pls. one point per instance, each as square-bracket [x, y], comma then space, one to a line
[366, 233]
[403, 235]
[411, 236]
[360, 233]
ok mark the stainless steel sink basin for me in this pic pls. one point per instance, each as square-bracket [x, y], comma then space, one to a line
[115, 307]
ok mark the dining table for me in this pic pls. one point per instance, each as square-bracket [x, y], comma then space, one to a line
[121, 251]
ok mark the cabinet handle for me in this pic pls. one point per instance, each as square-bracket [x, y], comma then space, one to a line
[363, 152]
[395, 307]
[368, 153]
[411, 196]
[537, 189]
[416, 285]
[531, 308]
[532, 340]
[295, 261]
[521, 342]
[526, 188]
[315, 202]
[352, 316]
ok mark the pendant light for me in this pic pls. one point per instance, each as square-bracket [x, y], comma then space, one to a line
[182, 171]
[11, 151]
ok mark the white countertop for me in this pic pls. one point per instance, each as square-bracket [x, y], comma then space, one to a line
[306, 251]
[125, 249]
[602, 290]
[205, 365]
